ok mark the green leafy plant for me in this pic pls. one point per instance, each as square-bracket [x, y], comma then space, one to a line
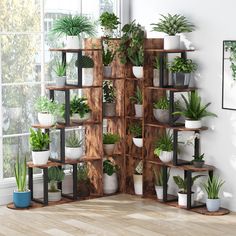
[45, 105]
[60, 69]
[110, 138]
[109, 167]
[55, 175]
[199, 158]
[159, 176]
[193, 109]
[156, 63]
[136, 130]
[78, 105]
[164, 104]
[73, 141]
[39, 141]
[138, 98]
[212, 187]
[231, 47]
[182, 65]
[107, 56]
[85, 62]
[20, 170]
[173, 24]
[109, 92]
[164, 143]
[82, 173]
[139, 168]
[109, 21]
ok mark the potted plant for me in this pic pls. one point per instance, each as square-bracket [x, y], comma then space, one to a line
[136, 130]
[173, 25]
[109, 96]
[47, 111]
[21, 196]
[74, 28]
[83, 186]
[110, 181]
[109, 141]
[198, 161]
[164, 148]
[109, 22]
[137, 60]
[158, 181]
[194, 111]
[73, 149]
[138, 178]
[138, 100]
[60, 70]
[107, 58]
[181, 69]
[156, 72]
[55, 175]
[39, 142]
[182, 185]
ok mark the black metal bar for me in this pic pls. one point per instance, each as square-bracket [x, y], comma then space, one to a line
[45, 186]
[30, 183]
[171, 107]
[196, 145]
[189, 189]
[184, 55]
[59, 184]
[67, 107]
[51, 95]
[210, 174]
[162, 68]
[38, 201]
[79, 58]
[185, 174]
[175, 147]
[164, 169]
[75, 181]
[62, 144]
[69, 196]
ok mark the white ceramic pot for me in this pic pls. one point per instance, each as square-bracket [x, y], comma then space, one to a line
[138, 71]
[107, 71]
[73, 153]
[159, 192]
[138, 184]
[156, 78]
[54, 196]
[78, 118]
[110, 183]
[138, 110]
[166, 156]
[60, 81]
[40, 157]
[213, 204]
[87, 76]
[108, 149]
[171, 42]
[161, 115]
[138, 142]
[193, 124]
[182, 199]
[72, 42]
[46, 119]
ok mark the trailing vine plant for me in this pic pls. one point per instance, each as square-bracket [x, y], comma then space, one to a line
[231, 47]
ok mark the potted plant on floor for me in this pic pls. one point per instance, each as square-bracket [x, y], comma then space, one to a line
[74, 28]
[194, 111]
[138, 178]
[55, 175]
[109, 96]
[39, 142]
[182, 185]
[212, 188]
[60, 70]
[21, 196]
[83, 186]
[73, 149]
[198, 161]
[135, 130]
[110, 180]
[137, 99]
[109, 141]
[172, 25]
[181, 69]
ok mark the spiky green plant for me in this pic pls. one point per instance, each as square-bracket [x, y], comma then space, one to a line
[39, 141]
[164, 143]
[20, 170]
[182, 65]
[198, 158]
[136, 130]
[55, 175]
[138, 97]
[109, 167]
[82, 173]
[159, 176]
[60, 68]
[109, 92]
[79, 105]
[85, 62]
[110, 138]
[73, 141]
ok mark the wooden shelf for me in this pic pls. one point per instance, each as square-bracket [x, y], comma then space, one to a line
[113, 78]
[112, 117]
[173, 89]
[168, 51]
[134, 79]
[70, 87]
[134, 156]
[134, 118]
[82, 159]
[49, 164]
[73, 50]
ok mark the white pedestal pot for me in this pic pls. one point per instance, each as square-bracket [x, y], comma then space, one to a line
[138, 142]
[40, 157]
[138, 110]
[138, 184]
[46, 119]
[110, 183]
[166, 156]
[213, 204]
[193, 124]
[159, 192]
[60, 81]
[73, 153]
[138, 71]
[72, 42]
[182, 199]
[171, 42]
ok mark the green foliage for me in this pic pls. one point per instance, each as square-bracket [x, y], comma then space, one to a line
[85, 61]
[109, 92]
[109, 21]
[60, 68]
[73, 141]
[193, 109]
[212, 187]
[45, 105]
[73, 26]
[20, 170]
[164, 143]
[231, 47]
[156, 63]
[109, 167]
[110, 138]
[164, 104]
[55, 175]
[159, 176]
[199, 158]
[39, 141]
[107, 56]
[182, 183]
[138, 97]
[136, 130]
[82, 173]
[79, 105]
[173, 24]
[139, 168]
[182, 65]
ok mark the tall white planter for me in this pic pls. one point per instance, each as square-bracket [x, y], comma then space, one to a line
[73, 153]
[138, 71]
[193, 124]
[182, 199]
[87, 76]
[138, 110]
[110, 183]
[166, 156]
[159, 192]
[213, 204]
[156, 78]
[138, 184]
[72, 42]
[46, 119]
[138, 142]
[40, 157]
[171, 42]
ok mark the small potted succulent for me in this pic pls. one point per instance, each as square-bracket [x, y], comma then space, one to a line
[138, 178]
[55, 175]
[83, 181]
[109, 96]
[181, 69]
[137, 99]
[110, 180]
[212, 188]
[173, 25]
[107, 58]
[109, 141]
[135, 130]
[60, 70]
[39, 142]
[198, 161]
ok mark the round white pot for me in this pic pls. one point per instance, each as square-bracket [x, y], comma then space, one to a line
[171, 42]
[72, 42]
[60, 81]
[54, 196]
[213, 204]
[159, 192]
[138, 184]
[110, 183]
[77, 117]
[161, 115]
[138, 71]
[138, 110]
[46, 119]
[40, 157]
[108, 149]
[87, 76]
[193, 124]
[166, 156]
[182, 199]
[138, 142]
[73, 153]
[107, 71]
[156, 78]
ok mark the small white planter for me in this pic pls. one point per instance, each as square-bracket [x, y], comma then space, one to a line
[40, 157]
[87, 76]
[60, 81]
[159, 192]
[166, 156]
[110, 183]
[213, 204]
[73, 153]
[54, 196]
[193, 124]
[171, 42]
[76, 117]
[108, 149]
[72, 42]
[182, 199]
[161, 115]
[138, 71]
[46, 119]
[138, 110]
[138, 184]
[138, 142]
[156, 78]
[107, 71]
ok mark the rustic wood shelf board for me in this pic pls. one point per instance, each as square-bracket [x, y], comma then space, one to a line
[71, 87]
[49, 164]
[173, 89]
[113, 78]
[168, 51]
[82, 159]
[74, 50]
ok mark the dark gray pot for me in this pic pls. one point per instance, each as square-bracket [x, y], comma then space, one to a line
[198, 164]
[181, 80]
[109, 109]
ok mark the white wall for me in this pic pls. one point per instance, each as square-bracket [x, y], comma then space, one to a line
[215, 22]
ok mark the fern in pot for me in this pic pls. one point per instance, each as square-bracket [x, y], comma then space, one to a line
[83, 181]
[137, 99]
[109, 141]
[108, 54]
[135, 130]
[138, 178]
[60, 71]
[109, 97]
[172, 25]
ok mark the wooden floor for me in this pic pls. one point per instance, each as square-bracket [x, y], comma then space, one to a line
[114, 215]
